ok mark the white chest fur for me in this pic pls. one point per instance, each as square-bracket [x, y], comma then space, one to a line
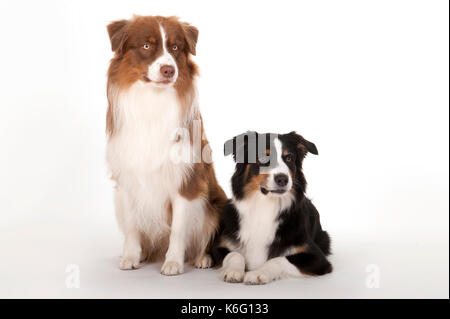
[139, 153]
[258, 225]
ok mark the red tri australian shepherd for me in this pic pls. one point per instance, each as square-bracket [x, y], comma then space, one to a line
[167, 198]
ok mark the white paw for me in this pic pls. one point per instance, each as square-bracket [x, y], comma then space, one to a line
[171, 268]
[232, 275]
[204, 262]
[128, 263]
[257, 277]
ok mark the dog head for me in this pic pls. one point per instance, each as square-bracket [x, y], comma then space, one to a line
[151, 49]
[268, 163]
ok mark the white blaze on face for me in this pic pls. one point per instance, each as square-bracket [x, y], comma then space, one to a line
[154, 70]
[280, 168]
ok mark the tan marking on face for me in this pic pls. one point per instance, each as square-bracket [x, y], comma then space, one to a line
[255, 184]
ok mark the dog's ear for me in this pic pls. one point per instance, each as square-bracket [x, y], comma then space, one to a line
[191, 35]
[117, 31]
[310, 147]
[238, 144]
[305, 145]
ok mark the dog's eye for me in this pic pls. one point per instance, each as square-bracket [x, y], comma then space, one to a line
[288, 158]
[174, 47]
[146, 46]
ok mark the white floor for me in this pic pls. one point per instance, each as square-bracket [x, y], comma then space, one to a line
[35, 260]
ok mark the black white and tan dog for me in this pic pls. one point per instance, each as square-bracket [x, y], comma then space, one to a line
[270, 229]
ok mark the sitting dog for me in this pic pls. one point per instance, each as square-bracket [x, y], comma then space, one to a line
[167, 198]
[269, 227]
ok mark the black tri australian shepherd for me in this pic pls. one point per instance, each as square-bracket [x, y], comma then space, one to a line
[269, 229]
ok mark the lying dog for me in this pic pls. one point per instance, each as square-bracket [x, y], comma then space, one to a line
[269, 227]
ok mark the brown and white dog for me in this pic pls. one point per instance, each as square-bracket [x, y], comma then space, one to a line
[164, 205]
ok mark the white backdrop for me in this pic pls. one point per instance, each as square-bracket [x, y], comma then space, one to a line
[366, 81]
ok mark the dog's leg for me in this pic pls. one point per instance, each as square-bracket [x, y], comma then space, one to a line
[273, 269]
[219, 254]
[311, 262]
[131, 254]
[204, 261]
[185, 215]
[233, 269]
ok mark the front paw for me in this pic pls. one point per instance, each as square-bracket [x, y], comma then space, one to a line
[129, 263]
[232, 275]
[171, 268]
[257, 277]
[204, 262]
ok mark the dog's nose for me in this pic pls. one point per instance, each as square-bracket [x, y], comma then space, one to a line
[281, 179]
[167, 71]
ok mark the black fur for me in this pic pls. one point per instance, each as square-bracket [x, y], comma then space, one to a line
[298, 226]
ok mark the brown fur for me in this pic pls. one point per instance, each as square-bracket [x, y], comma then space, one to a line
[255, 183]
[130, 64]
[130, 61]
[301, 249]
[203, 184]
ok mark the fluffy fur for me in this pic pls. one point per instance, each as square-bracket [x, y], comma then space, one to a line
[167, 198]
[269, 228]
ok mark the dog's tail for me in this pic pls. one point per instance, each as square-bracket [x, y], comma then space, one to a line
[324, 242]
